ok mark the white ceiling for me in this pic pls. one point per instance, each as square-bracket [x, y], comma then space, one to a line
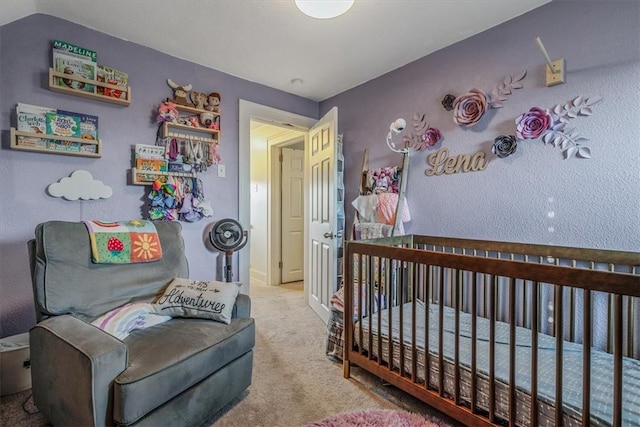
[271, 42]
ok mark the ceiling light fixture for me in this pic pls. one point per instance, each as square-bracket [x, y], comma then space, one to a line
[324, 9]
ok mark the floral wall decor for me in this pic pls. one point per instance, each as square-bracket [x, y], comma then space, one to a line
[423, 135]
[551, 126]
[469, 107]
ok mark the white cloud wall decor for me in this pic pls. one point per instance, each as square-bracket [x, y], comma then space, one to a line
[80, 185]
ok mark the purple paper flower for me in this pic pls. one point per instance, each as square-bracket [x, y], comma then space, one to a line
[429, 138]
[469, 108]
[504, 146]
[533, 124]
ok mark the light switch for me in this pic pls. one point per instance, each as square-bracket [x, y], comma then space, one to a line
[222, 171]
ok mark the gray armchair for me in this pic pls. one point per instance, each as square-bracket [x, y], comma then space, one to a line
[177, 373]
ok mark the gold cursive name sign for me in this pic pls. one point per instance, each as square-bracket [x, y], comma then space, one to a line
[441, 163]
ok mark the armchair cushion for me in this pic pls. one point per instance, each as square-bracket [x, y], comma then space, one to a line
[198, 298]
[171, 357]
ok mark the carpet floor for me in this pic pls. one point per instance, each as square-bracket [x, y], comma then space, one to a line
[294, 383]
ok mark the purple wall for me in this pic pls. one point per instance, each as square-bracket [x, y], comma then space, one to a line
[25, 59]
[534, 195]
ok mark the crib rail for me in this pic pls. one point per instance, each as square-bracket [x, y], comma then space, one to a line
[584, 296]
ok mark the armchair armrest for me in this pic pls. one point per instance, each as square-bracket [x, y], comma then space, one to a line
[242, 307]
[73, 367]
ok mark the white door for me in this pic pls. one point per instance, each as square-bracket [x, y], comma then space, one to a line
[322, 216]
[292, 200]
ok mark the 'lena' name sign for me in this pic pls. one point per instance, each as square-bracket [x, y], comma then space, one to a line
[441, 163]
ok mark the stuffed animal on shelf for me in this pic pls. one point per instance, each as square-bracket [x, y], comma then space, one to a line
[167, 112]
[180, 93]
[213, 102]
[199, 99]
[193, 121]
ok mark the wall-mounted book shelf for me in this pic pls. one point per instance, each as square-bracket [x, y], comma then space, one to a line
[145, 177]
[54, 144]
[126, 90]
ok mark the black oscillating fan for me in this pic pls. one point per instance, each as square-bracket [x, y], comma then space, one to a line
[228, 236]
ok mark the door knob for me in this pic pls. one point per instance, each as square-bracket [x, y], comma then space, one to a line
[328, 235]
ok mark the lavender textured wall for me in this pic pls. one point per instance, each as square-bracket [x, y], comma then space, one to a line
[25, 58]
[534, 195]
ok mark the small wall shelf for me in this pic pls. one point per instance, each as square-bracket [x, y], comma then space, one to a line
[61, 89]
[136, 176]
[172, 130]
[41, 143]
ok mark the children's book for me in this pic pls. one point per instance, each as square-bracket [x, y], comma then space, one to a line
[74, 60]
[32, 118]
[114, 77]
[88, 124]
[63, 125]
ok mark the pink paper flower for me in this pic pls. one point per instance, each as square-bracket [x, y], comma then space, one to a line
[469, 108]
[429, 138]
[533, 124]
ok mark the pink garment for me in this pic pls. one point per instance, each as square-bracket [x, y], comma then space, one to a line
[387, 204]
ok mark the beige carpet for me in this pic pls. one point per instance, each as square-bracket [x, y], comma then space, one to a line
[294, 383]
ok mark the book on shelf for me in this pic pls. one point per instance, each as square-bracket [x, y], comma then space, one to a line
[88, 124]
[63, 125]
[114, 77]
[74, 60]
[32, 118]
[145, 151]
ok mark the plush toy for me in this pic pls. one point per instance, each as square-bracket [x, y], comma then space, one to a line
[199, 99]
[213, 102]
[180, 93]
[193, 121]
[167, 112]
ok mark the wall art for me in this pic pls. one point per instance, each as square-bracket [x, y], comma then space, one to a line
[469, 107]
[423, 135]
[80, 185]
[441, 163]
[551, 126]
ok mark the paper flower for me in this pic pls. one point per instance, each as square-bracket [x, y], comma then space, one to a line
[469, 108]
[447, 102]
[533, 124]
[504, 146]
[429, 138]
[422, 135]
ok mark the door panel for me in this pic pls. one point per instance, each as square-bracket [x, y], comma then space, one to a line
[292, 200]
[323, 217]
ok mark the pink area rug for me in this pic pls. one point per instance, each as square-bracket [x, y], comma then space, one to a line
[378, 418]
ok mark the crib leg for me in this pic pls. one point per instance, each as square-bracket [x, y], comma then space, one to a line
[346, 366]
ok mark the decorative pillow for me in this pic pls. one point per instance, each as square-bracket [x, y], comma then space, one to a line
[120, 322]
[196, 298]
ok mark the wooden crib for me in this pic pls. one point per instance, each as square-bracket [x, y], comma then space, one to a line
[454, 323]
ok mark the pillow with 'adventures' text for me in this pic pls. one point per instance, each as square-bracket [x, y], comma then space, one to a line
[198, 298]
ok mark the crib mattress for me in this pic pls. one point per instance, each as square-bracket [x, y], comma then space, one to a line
[601, 367]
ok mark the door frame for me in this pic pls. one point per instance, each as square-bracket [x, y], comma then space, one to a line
[251, 111]
[274, 193]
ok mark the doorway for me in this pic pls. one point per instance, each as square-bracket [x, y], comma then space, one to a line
[277, 203]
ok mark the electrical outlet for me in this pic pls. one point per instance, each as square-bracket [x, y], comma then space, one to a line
[222, 171]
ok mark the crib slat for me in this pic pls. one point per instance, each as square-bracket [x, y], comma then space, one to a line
[427, 301]
[368, 289]
[617, 361]
[586, 358]
[389, 283]
[383, 291]
[414, 298]
[456, 357]
[400, 285]
[535, 298]
[512, 352]
[559, 315]
[441, 334]
[474, 342]
[492, 348]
